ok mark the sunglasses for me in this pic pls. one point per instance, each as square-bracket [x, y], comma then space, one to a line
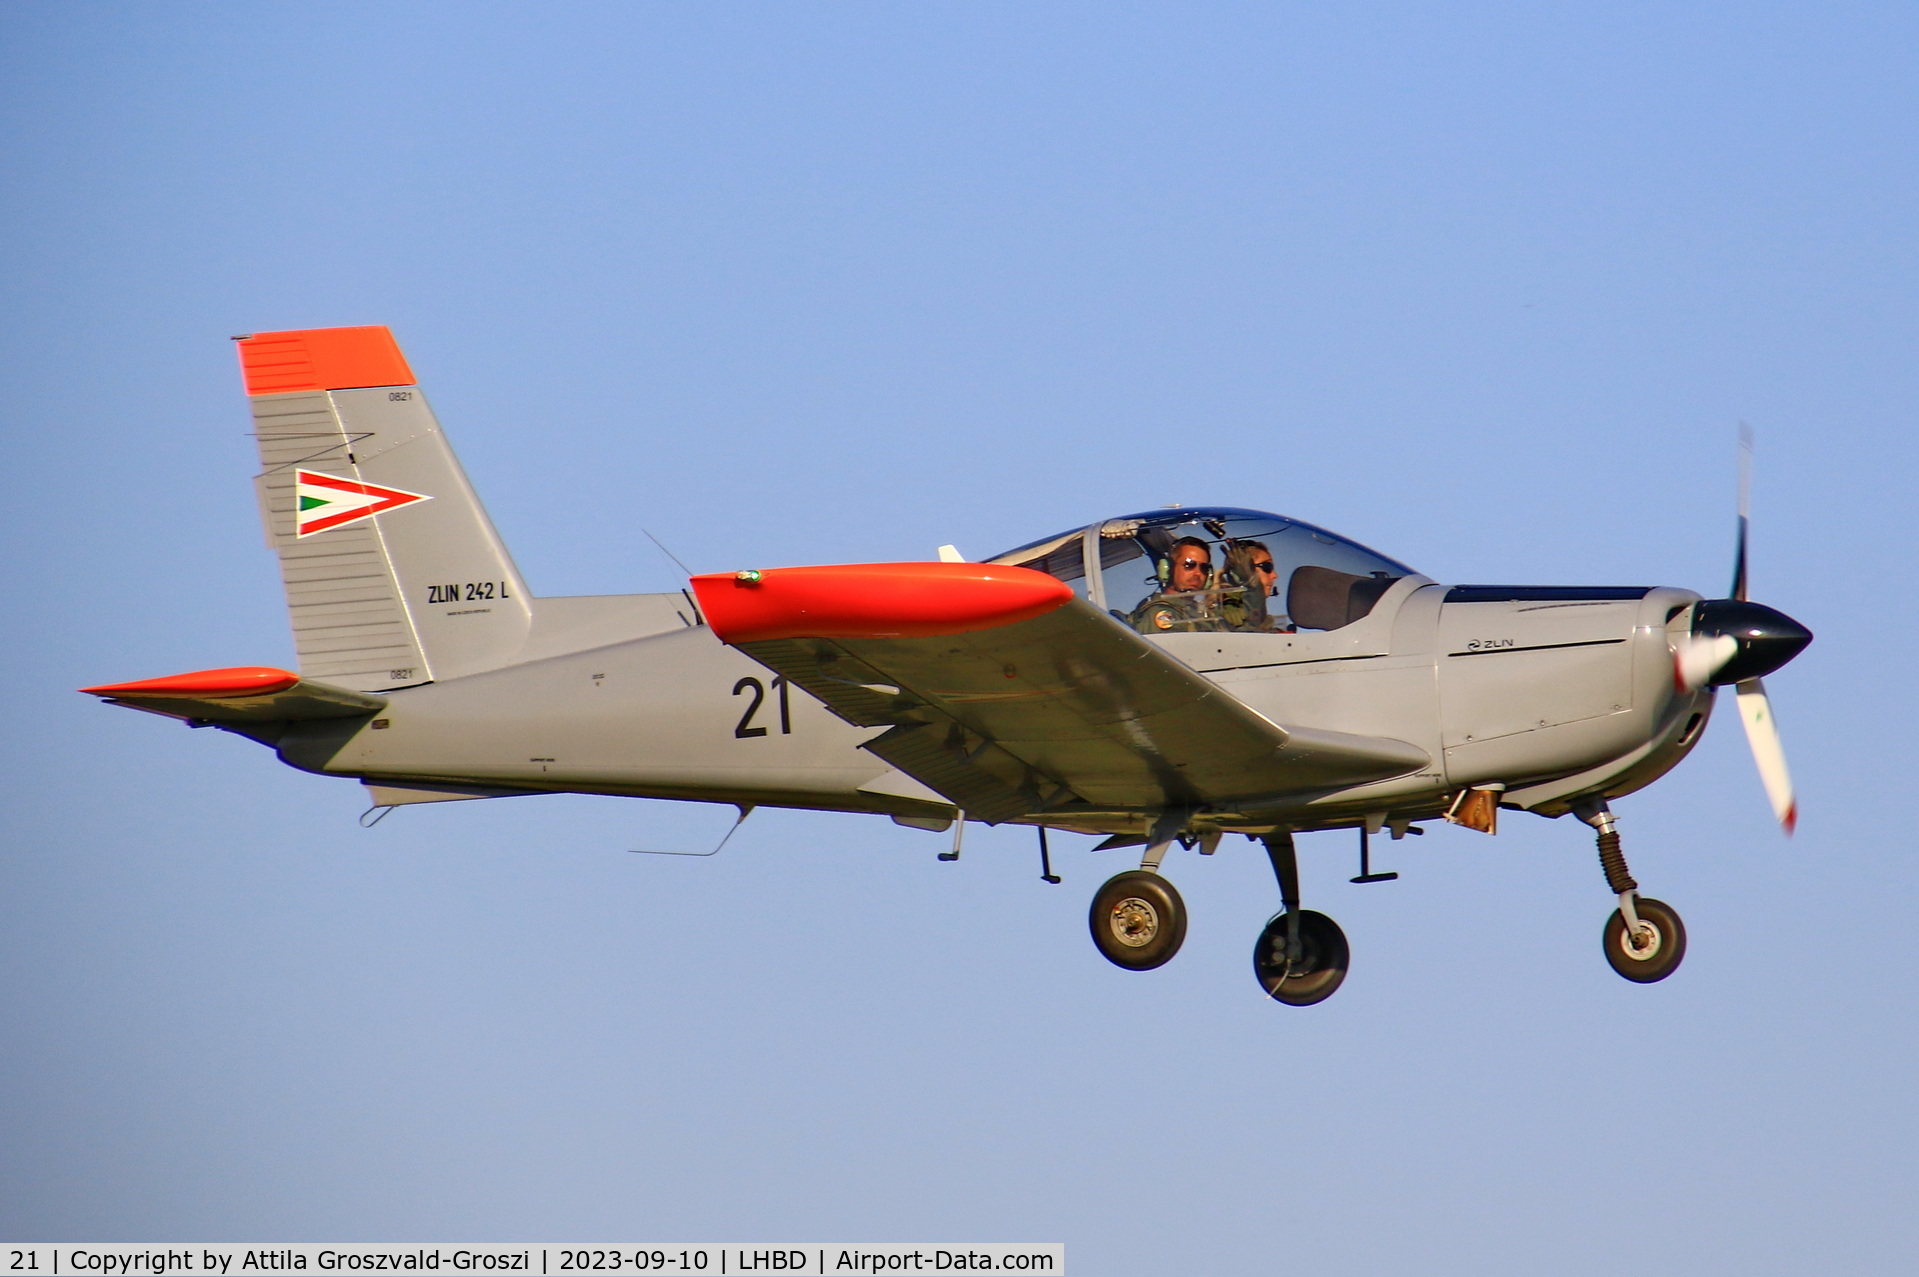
[1195, 563]
[1267, 566]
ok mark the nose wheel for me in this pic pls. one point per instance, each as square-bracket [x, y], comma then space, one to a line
[1138, 920]
[1650, 951]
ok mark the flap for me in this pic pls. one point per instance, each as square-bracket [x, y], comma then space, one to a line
[242, 694]
[897, 784]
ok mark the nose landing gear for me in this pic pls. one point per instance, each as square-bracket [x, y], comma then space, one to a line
[1644, 938]
[1650, 949]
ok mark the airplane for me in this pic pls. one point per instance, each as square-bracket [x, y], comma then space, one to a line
[1165, 678]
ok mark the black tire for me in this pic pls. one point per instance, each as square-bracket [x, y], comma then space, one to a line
[1321, 968]
[1661, 957]
[1138, 920]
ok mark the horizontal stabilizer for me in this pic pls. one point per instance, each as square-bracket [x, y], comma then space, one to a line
[242, 694]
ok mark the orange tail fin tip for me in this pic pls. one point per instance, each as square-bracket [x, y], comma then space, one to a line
[311, 359]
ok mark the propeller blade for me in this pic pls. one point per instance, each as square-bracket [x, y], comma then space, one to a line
[1745, 512]
[1696, 658]
[1762, 733]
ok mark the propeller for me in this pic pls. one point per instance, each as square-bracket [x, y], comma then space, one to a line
[1735, 642]
[1762, 733]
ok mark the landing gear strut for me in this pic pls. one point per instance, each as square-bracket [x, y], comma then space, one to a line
[1644, 938]
[1137, 919]
[1301, 955]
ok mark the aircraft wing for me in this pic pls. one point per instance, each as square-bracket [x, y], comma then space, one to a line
[244, 694]
[1008, 695]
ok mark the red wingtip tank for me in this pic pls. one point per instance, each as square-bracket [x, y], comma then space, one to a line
[873, 600]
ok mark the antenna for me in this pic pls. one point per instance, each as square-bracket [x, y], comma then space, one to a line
[669, 554]
[746, 809]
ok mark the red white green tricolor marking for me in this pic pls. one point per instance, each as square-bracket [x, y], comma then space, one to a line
[322, 502]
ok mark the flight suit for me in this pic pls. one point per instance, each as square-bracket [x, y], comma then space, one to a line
[1243, 609]
[1176, 612]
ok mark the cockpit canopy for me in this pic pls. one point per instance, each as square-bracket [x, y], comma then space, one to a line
[1215, 570]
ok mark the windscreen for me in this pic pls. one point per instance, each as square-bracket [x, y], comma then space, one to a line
[1217, 570]
[1061, 556]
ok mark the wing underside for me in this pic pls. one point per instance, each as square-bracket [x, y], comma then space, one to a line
[1066, 713]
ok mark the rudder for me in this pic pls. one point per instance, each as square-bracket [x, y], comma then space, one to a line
[394, 574]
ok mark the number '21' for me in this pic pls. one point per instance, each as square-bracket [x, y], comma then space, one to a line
[745, 728]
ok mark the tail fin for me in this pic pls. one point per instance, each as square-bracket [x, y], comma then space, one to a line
[394, 574]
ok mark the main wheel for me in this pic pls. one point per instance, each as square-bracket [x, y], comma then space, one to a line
[1321, 966]
[1138, 920]
[1654, 954]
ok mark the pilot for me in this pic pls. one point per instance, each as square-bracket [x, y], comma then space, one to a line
[1183, 601]
[1243, 603]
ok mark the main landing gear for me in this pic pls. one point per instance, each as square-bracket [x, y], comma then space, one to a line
[1301, 955]
[1644, 938]
[1137, 919]
[1138, 922]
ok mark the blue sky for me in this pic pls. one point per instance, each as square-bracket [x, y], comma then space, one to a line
[1487, 287]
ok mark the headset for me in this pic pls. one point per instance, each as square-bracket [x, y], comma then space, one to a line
[1164, 569]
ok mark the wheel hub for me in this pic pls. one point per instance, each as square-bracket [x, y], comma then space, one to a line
[1642, 945]
[1135, 922]
[1317, 964]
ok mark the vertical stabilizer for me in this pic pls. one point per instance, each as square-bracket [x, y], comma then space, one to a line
[394, 574]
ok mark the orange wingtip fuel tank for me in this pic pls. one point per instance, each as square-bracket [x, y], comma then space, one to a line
[322, 359]
[873, 600]
[241, 680]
